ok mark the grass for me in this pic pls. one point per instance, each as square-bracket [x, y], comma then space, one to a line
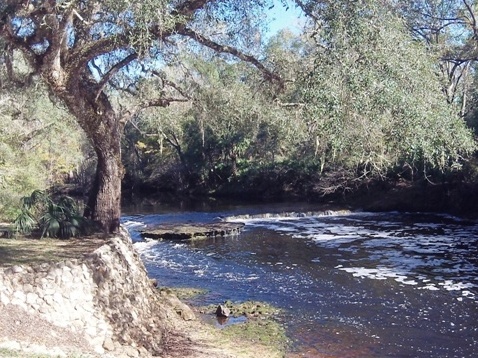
[264, 331]
[183, 293]
[28, 251]
[261, 326]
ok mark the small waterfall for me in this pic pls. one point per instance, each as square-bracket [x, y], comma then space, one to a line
[289, 214]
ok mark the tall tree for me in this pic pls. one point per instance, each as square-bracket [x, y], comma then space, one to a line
[80, 47]
[372, 95]
[449, 29]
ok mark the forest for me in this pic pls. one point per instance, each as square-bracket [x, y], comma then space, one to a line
[103, 100]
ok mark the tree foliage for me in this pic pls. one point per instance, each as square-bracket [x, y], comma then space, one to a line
[86, 51]
[40, 144]
[227, 126]
[448, 28]
[373, 97]
[361, 99]
[51, 218]
[371, 88]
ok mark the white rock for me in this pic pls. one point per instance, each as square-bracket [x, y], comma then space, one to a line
[31, 298]
[58, 298]
[4, 298]
[17, 269]
[19, 296]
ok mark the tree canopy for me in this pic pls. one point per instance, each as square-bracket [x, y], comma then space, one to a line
[368, 89]
[79, 48]
[373, 95]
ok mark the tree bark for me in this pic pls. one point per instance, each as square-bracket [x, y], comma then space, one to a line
[104, 204]
[104, 201]
[104, 129]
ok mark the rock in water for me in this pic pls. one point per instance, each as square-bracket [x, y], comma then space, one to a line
[190, 232]
[223, 311]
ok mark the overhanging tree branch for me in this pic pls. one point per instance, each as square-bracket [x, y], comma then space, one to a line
[187, 8]
[472, 18]
[269, 75]
[157, 102]
[82, 55]
[306, 9]
[160, 102]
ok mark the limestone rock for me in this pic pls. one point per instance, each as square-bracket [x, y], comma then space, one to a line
[179, 307]
[104, 297]
[109, 344]
[186, 313]
[17, 269]
[131, 351]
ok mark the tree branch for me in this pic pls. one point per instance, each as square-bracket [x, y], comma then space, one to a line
[80, 57]
[160, 102]
[290, 104]
[114, 70]
[306, 10]
[171, 84]
[64, 27]
[473, 19]
[269, 75]
[8, 59]
[97, 68]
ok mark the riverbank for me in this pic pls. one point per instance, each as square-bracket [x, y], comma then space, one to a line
[457, 198]
[99, 302]
[21, 330]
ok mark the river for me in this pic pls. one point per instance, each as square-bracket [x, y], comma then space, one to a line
[352, 285]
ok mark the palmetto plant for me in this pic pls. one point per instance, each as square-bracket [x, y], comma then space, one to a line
[51, 218]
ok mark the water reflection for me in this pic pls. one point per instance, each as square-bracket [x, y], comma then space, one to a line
[359, 285]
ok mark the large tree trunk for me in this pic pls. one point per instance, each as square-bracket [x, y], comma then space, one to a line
[104, 129]
[104, 203]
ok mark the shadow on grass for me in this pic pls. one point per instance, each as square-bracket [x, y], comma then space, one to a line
[25, 251]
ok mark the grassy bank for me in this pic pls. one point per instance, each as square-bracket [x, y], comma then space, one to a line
[261, 324]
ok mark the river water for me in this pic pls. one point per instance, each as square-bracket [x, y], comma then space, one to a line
[352, 285]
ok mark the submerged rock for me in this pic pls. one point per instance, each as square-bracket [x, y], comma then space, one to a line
[223, 311]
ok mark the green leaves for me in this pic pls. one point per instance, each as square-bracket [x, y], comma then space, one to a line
[143, 22]
[374, 96]
[51, 218]
[39, 144]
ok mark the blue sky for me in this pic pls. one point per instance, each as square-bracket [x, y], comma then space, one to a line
[282, 18]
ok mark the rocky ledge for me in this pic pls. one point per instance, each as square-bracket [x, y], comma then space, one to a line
[189, 232]
[104, 299]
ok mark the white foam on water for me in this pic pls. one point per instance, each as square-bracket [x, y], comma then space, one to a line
[450, 285]
[252, 278]
[132, 224]
[144, 248]
[396, 250]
